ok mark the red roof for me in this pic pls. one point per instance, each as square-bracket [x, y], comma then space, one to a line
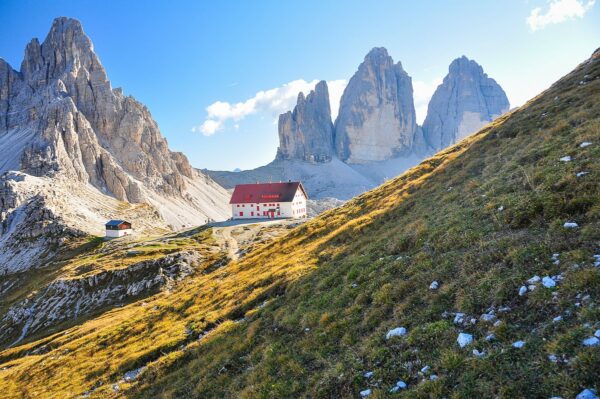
[265, 192]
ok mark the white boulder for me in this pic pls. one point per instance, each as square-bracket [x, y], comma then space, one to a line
[587, 394]
[396, 332]
[548, 282]
[464, 339]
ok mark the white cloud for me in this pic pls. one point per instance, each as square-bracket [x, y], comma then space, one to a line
[558, 11]
[422, 92]
[336, 89]
[272, 102]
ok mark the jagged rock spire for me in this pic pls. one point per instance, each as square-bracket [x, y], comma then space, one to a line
[306, 133]
[377, 115]
[466, 101]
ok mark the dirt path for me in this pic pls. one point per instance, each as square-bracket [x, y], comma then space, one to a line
[233, 236]
[223, 235]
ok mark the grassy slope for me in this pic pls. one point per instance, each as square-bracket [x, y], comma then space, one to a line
[316, 303]
[442, 218]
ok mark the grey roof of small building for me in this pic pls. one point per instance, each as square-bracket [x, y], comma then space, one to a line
[115, 222]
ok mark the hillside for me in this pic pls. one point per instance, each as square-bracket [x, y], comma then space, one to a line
[308, 314]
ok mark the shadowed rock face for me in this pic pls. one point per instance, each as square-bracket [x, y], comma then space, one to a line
[80, 126]
[466, 101]
[307, 132]
[377, 118]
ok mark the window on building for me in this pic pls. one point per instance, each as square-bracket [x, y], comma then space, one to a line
[241, 213]
[251, 213]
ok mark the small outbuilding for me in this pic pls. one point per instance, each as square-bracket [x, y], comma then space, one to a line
[118, 228]
[269, 200]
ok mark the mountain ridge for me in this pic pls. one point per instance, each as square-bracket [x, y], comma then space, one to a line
[62, 123]
[375, 135]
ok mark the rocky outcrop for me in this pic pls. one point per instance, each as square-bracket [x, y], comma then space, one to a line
[306, 133]
[466, 101]
[61, 120]
[66, 299]
[85, 128]
[377, 118]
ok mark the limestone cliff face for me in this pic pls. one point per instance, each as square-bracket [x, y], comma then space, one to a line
[85, 128]
[60, 118]
[88, 146]
[466, 101]
[377, 118]
[306, 133]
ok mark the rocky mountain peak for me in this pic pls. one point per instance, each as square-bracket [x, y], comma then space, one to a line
[306, 133]
[61, 121]
[466, 101]
[377, 115]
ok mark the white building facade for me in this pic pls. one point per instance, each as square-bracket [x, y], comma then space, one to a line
[118, 228]
[269, 201]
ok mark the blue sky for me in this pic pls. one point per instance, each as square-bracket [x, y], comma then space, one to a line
[180, 57]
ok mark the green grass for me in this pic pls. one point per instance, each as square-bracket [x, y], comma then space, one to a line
[306, 314]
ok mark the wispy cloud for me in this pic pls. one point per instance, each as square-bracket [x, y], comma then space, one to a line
[558, 11]
[422, 94]
[271, 102]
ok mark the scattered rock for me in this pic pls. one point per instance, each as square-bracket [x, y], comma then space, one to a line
[557, 319]
[434, 285]
[548, 282]
[425, 369]
[522, 290]
[597, 334]
[500, 208]
[534, 279]
[399, 385]
[396, 332]
[459, 318]
[133, 374]
[570, 225]
[581, 174]
[433, 377]
[591, 341]
[368, 374]
[553, 358]
[585, 144]
[518, 344]
[487, 317]
[587, 394]
[566, 159]
[464, 339]
[490, 337]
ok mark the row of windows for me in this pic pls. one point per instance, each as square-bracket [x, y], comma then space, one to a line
[299, 211]
[265, 213]
[252, 205]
